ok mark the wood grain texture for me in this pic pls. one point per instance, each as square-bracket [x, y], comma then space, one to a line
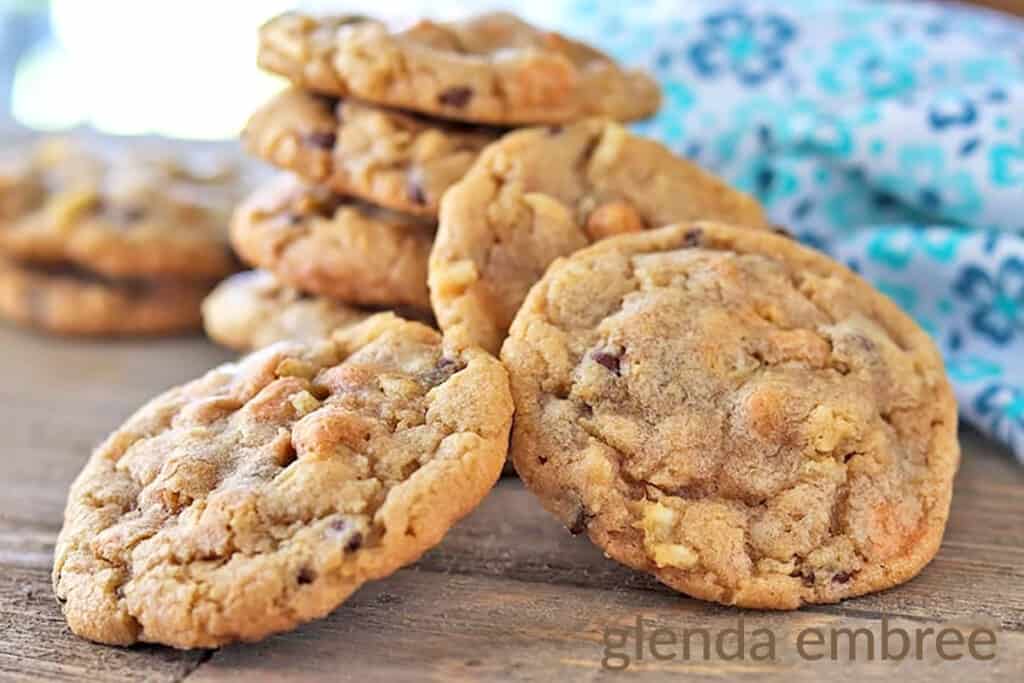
[36, 645]
[1008, 6]
[508, 595]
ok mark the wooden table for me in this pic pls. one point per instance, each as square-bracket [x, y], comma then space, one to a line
[508, 595]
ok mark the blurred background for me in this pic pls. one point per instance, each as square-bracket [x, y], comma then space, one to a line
[184, 69]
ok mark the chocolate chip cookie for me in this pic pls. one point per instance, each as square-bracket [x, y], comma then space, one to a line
[323, 243]
[253, 309]
[68, 300]
[493, 68]
[737, 414]
[119, 213]
[391, 159]
[542, 193]
[261, 495]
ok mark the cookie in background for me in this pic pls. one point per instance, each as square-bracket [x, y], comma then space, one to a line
[103, 237]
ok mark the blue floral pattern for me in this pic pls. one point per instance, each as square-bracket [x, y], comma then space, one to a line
[869, 68]
[952, 109]
[885, 133]
[999, 314]
[751, 46]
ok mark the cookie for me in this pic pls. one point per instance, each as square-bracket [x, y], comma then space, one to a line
[492, 68]
[394, 160]
[260, 496]
[68, 300]
[323, 243]
[117, 212]
[735, 413]
[253, 309]
[542, 193]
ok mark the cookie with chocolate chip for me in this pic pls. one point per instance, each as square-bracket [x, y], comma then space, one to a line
[63, 299]
[734, 413]
[254, 309]
[392, 159]
[263, 494]
[323, 243]
[541, 193]
[140, 213]
[492, 68]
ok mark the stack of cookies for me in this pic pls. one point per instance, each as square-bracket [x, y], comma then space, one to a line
[708, 400]
[97, 240]
[375, 127]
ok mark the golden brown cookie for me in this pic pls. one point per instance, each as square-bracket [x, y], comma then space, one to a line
[492, 68]
[388, 158]
[253, 309]
[261, 495]
[542, 193]
[117, 212]
[323, 243]
[68, 300]
[735, 413]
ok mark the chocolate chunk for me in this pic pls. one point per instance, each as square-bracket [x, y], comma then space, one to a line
[328, 102]
[809, 579]
[458, 96]
[864, 343]
[339, 529]
[442, 370]
[842, 577]
[607, 360]
[555, 130]
[692, 238]
[320, 140]
[779, 230]
[416, 193]
[120, 214]
[132, 214]
[580, 522]
[306, 576]
[354, 543]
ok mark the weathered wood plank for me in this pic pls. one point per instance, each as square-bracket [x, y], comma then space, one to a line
[420, 625]
[62, 397]
[508, 594]
[36, 645]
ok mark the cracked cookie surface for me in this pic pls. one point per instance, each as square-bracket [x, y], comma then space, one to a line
[392, 159]
[119, 212]
[254, 309]
[326, 244]
[492, 68]
[68, 300]
[542, 193]
[737, 414]
[261, 495]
